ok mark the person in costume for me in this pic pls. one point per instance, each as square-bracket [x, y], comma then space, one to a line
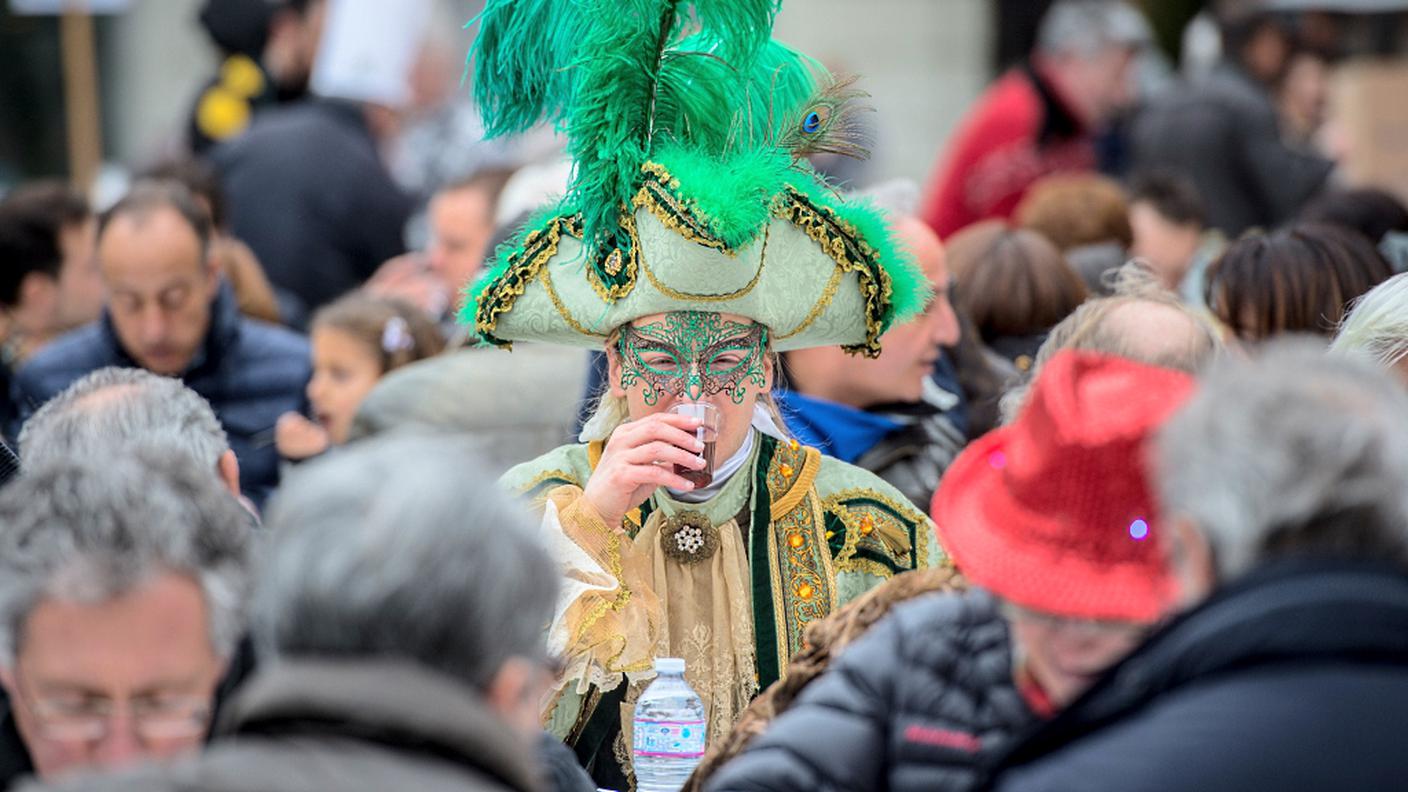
[694, 243]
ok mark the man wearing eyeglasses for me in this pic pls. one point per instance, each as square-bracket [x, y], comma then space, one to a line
[122, 589]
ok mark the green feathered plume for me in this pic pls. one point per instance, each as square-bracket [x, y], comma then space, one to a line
[620, 75]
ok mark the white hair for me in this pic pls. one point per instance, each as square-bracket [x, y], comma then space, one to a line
[1292, 452]
[1376, 326]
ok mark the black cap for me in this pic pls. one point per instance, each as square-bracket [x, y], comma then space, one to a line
[239, 26]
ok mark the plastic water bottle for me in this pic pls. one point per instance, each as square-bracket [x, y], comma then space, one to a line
[669, 731]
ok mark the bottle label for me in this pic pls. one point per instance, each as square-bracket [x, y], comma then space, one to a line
[674, 739]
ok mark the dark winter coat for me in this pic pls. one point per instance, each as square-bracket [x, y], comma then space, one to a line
[1294, 678]
[250, 372]
[1225, 135]
[919, 703]
[309, 194]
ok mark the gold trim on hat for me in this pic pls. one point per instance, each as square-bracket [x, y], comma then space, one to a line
[679, 295]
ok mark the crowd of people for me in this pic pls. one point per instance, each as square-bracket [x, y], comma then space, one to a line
[1063, 471]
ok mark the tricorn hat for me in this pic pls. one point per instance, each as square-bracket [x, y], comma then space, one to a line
[691, 188]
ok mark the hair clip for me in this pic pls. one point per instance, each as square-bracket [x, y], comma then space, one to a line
[396, 336]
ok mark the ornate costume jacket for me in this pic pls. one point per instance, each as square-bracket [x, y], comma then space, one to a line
[797, 535]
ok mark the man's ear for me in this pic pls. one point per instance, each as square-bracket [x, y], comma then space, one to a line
[228, 468]
[1191, 560]
[213, 269]
[7, 680]
[515, 693]
[38, 292]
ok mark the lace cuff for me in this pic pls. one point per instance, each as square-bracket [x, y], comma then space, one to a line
[606, 623]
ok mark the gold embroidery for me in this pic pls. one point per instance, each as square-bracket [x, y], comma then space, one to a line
[618, 260]
[549, 475]
[623, 594]
[844, 245]
[877, 522]
[808, 593]
[545, 276]
[828, 293]
[499, 295]
[905, 510]
[799, 558]
[923, 536]
[800, 466]
[867, 566]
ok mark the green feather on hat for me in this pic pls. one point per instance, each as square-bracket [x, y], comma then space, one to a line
[689, 127]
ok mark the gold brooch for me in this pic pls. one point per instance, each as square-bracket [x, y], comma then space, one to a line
[689, 537]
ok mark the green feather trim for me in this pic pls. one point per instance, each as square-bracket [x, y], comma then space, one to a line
[731, 197]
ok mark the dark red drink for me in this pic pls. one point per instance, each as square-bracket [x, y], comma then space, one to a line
[705, 475]
[707, 433]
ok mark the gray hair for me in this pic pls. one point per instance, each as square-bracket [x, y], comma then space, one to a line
[1377, 325]
[1293, 452]
[118, 407]
[399, 546]
[1084, 27]
[92, 529]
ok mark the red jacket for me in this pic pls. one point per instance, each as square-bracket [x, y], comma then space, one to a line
[1018, 132]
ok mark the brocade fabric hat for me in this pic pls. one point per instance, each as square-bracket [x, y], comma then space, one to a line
[689, 128]
[1055, 512]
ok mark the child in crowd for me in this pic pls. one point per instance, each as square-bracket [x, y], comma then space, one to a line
[355, 341]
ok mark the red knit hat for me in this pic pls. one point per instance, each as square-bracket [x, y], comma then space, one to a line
[1055, 511]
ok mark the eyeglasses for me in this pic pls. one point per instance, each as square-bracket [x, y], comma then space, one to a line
[154, 719]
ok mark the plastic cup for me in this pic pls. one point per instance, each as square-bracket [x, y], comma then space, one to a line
[707, 433]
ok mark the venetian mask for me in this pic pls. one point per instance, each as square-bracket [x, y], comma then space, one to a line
[693, 354]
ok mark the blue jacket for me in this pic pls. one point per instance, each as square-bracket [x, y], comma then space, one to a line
[250, 372]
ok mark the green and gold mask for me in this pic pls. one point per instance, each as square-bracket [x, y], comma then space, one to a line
[693, 354]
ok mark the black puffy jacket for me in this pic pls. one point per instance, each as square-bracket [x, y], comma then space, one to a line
[918, 703]
[1295, 678]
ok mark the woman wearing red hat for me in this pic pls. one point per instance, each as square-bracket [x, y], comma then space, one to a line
[1053, 522]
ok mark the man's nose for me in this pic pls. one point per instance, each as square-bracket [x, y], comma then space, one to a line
[121, 746]
[153, 325]
[943, 326]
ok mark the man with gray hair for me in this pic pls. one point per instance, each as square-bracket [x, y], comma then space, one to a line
[122, 597]
[1041, 117]
[113, 409]
[399, 619]
[1285, 488]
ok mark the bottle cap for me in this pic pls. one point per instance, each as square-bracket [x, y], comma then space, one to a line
[669, 665]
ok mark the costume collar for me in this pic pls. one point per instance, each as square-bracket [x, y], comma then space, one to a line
[837, 430]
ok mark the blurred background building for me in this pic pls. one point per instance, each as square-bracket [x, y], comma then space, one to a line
[923, 61]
